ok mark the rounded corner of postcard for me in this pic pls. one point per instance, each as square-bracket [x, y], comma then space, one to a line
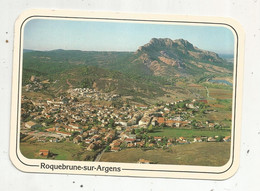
[126, 94]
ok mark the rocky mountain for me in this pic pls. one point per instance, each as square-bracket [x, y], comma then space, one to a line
[159, 57]
[179, 58]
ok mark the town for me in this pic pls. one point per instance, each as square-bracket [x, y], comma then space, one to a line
[103, 122]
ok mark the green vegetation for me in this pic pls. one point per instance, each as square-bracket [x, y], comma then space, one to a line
[171, 78]
[204, 154]
[188, 133]
[61, 151]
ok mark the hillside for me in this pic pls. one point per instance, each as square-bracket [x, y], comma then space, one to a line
[161, 68]
[106, 81]
[160, 57]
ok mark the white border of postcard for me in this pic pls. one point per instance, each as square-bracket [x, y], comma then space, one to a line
[126, 169]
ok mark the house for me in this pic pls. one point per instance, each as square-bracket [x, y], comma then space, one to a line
[123, 136]
[118, 128]
[170, 123]
[88, 141]
[158, 138]
[132, 136]
[115, 149]
[145, 121]
[115, 143]
[154, 122]
[170, 140]
[227, 139]
[160, 120]
[44, 153]
[197, 139]
[182, 140]
[98, 143]
[211, 125]
[53, 129]
[166, 110]
[77, 139]
[85, 134]
[141, 106]
[203, 101]
[129, 140]
[140, 144]
[190, 106]
[211, 139]
[91, 147]
[175, 123]
[55, 140]
[123, 123]
[64, 134]
[130, 145]
[29, 124]
[151, 145]
[109, 137]
[74, 126]
[143, 161]
[102, 131]
[96, 137]
[71, 129]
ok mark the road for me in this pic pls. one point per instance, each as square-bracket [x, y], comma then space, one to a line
[99, 156]
[208, 93]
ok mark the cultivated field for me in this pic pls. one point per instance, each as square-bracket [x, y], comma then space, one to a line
[61, 151]
[203, 154]
[188, 133]
[220, 93]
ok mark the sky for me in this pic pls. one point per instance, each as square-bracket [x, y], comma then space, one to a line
[51, 34]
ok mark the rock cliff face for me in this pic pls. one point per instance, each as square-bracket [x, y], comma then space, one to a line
[164, 56]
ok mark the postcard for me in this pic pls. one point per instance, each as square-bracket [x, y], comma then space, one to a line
[119, 94]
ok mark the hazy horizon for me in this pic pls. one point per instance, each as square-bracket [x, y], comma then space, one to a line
[47, 35]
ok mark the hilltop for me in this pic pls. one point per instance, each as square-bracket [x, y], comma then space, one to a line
[180, 58]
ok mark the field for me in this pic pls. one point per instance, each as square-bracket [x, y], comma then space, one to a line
[204, 154]
[61, 151]
[188, 133]
[220, 93]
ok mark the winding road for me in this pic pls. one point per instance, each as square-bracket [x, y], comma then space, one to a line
[208, 93]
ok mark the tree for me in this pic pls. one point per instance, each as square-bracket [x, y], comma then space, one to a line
[217, 126]
[137, 131]
[117, 104]
[49, 121]
[75, 133]
[181, 105]
[75, 99]
[123, 145]
[220, 138]
[150, 128]
[111, 123]
[194, 123]
[165, 140]
[107, 148]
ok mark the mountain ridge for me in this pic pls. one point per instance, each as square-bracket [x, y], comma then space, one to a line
[162, 69]
[161, 58]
